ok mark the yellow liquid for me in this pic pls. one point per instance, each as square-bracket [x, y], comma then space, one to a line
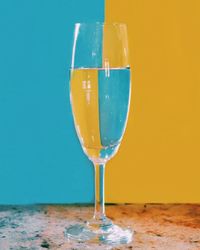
[84, 99]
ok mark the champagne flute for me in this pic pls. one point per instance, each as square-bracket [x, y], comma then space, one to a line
[100, 97]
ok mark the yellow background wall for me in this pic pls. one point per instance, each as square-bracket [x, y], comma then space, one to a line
[159, 159]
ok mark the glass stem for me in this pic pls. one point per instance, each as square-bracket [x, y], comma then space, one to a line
[99, 173]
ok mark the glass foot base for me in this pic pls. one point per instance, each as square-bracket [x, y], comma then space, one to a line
[104, 232]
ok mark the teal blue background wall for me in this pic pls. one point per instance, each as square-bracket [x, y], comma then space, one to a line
[41, 160]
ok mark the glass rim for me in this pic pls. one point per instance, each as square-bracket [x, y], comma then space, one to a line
[100, 23]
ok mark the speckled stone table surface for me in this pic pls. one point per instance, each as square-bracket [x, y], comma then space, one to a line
[160, 227]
